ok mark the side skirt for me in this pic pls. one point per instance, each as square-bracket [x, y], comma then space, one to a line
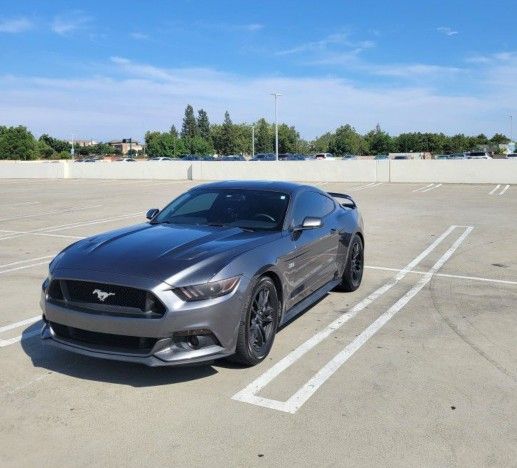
[308, 301]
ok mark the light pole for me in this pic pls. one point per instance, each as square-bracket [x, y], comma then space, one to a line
[276, 123]
[253, 141]
[511, 128]
[72, 151]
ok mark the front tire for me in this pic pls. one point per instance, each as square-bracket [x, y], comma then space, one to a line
[353, 274]
[258, 324]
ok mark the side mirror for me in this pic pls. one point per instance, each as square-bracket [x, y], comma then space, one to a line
[152, 213]
[310, 222]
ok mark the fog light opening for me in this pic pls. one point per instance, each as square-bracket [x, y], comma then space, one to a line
[193, 342]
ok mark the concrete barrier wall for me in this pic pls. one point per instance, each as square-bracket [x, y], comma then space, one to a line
[31, 170]
[309, 171]
[498, 171]
[463, 171]
[177, 170]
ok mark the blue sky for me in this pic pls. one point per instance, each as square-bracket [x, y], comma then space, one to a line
[115, 69]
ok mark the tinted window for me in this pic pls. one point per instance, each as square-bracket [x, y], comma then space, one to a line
[311, 204]
[251, 209]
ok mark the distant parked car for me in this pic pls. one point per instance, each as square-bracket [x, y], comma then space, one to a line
[89, 160]
[511, 156]
[232, 157]
[478, 155]
[125, 160]
[442, 156]
[457, 156]
[329, 156]
[401, 157]
[264, 157]
[380, 157]
[161, 158]
[349, 157]
[190, 157]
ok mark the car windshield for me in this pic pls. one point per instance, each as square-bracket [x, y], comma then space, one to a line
[247, 209]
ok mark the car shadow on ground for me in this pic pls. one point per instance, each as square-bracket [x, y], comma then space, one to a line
[102, 370]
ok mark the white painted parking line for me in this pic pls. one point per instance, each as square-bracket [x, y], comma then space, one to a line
[422, 188]
[44, 213]
[306, 391]
[39, 234]
[446, 275]
[362, 187]
[20, 262]
[494, 189]
[504, 190]
[17, 339]
[431, 188]
[10, 205]
[249, 393]
[24, 267]
[72, 225]
[19, 324]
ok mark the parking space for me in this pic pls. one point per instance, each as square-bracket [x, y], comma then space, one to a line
[417, 367]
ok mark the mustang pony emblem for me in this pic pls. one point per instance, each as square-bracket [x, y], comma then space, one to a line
[102, 295]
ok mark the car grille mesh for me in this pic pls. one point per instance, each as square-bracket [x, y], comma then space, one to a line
[83, 291]
[106, 298]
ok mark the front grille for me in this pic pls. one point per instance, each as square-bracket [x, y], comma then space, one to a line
[83, 291]
[141, 345]
[110, 299]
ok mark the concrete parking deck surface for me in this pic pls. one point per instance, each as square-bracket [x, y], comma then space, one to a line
[416, 368]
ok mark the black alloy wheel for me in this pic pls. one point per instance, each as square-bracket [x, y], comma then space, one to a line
[353, 274]
[258, 327]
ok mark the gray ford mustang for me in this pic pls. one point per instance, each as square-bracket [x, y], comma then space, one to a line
[214, 274]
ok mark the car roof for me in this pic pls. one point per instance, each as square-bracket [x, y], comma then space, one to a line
[277, 186]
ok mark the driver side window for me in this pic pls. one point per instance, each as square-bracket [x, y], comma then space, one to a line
[311, 204]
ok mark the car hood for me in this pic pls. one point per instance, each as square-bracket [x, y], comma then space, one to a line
[173, 254]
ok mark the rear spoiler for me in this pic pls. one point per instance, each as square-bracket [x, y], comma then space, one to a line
[343, 199]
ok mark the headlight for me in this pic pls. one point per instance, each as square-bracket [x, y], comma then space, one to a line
[201, 292]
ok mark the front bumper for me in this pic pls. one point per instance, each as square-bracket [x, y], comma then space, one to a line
[218, 318]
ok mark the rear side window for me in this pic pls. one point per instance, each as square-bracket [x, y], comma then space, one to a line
[311, 204]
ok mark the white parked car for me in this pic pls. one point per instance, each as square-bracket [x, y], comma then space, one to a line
[161, 158]
[512, 156]
[478, 155]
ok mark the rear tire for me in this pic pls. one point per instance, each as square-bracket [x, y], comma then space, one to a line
[258, 324]
[353, 274]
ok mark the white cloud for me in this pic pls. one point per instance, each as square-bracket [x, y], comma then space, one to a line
[15, 25]
[447, 31]
[68, 23]
[341, 39]
[139, 36]
[130, 98]
[252, 27]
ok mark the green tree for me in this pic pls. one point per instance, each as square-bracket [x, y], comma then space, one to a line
[173, 131]
[264, 137]
[203, 125]
[17, 143]
[189, 127]
[287, 139]
[322, 143]
[163, 144]
[199, 145]
[43, 150]
[499, 139]
[347, 141]
[378, 142]
[224, 136]
[56, 144]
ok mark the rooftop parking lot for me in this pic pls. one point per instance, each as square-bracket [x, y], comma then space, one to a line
[416, 368]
